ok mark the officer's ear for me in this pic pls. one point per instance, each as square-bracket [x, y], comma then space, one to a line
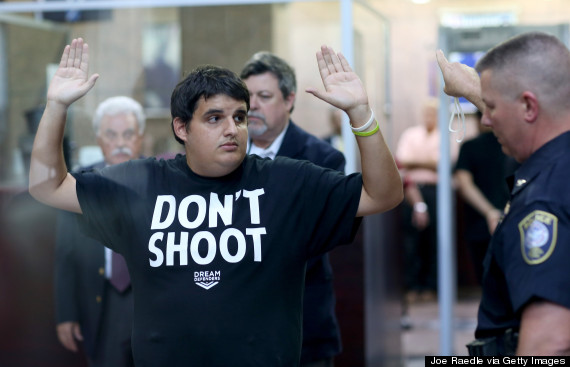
[531, 106]
[180, 128]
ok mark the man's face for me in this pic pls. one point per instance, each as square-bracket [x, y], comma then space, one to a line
[119, 138]
[216, 139]
[430, 117]
[504, 115]
[269, 111]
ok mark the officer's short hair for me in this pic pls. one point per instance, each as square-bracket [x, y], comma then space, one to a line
[534, 61]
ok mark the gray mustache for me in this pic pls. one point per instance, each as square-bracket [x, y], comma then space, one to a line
[256, 115]
[122, 150]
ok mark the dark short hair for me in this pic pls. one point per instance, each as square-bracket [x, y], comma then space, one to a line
[263, 62]
[204, 81]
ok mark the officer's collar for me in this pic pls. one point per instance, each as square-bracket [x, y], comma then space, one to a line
[540, 160]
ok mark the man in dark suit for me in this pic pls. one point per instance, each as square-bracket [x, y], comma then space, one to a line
[92, 290]
[272, 87]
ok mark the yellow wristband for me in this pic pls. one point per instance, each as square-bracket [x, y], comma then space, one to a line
[368, 133]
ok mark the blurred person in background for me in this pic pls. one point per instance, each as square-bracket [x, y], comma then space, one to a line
[417, 154]
[480, 175]
[94, 301]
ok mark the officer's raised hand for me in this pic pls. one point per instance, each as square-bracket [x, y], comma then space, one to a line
[460, 80]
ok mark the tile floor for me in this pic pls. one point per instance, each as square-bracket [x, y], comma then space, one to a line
[423, 336]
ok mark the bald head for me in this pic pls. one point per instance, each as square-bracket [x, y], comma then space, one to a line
[429, 113]
[535, 62]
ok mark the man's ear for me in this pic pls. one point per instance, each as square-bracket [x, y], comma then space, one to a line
[531, 106]
[290, 101]
[179, 128]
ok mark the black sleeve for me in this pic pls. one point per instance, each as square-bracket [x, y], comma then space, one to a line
[336, 198]
[464, 158]
[335, 161]
[107, 199]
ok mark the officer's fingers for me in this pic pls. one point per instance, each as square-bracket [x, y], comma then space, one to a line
[445, 68]
[441, 59]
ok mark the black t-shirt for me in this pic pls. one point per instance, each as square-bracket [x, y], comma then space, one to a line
[218, 264]
[528, 255]
[483, 157]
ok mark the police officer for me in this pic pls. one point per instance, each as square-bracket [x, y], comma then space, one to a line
[524, 91]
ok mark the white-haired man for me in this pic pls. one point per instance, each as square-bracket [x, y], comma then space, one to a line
[94, 301]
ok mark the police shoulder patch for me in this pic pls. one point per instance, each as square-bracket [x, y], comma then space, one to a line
[538, 236]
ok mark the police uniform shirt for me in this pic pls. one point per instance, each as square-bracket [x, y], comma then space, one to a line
[218, 264]
[529, 252]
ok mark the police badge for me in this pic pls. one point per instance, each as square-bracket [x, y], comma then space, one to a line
[538, 236]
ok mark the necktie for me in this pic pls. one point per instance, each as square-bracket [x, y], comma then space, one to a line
[120, 278]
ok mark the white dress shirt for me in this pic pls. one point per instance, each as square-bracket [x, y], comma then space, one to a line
[270, 151]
